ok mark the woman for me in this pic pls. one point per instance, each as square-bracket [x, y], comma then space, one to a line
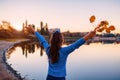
[57, 55]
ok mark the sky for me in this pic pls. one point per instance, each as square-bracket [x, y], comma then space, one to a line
[68, 15]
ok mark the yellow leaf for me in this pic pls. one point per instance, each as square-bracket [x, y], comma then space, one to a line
[108, 30]
[92, 19]
[104, 23]
[111, 27]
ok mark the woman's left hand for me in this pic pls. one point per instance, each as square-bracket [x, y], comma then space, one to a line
[90, 35]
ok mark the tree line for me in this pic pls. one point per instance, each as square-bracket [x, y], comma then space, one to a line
[8, 31]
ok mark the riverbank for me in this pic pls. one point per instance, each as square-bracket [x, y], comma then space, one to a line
[6, 71]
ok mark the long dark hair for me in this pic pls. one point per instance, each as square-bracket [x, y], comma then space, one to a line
[56, 43]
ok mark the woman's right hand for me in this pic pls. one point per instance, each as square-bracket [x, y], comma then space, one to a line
[30, 29]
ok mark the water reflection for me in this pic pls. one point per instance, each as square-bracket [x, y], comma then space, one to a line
[10, 52]
[90, 62]
[27, 48]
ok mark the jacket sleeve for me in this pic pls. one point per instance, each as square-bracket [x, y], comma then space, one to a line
[74, 46]
[42, 40]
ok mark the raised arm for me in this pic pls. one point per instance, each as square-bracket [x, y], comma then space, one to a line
[89, 35]
[79, 42]
[42, 40]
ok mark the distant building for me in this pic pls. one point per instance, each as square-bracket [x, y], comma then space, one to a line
[96, 39]
[74, 34]
[108, 38]
[118, 39]
[53, 30]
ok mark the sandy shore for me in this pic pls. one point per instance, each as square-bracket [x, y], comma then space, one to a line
[6, 72]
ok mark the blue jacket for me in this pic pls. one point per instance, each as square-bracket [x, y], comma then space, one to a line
[59, 69]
